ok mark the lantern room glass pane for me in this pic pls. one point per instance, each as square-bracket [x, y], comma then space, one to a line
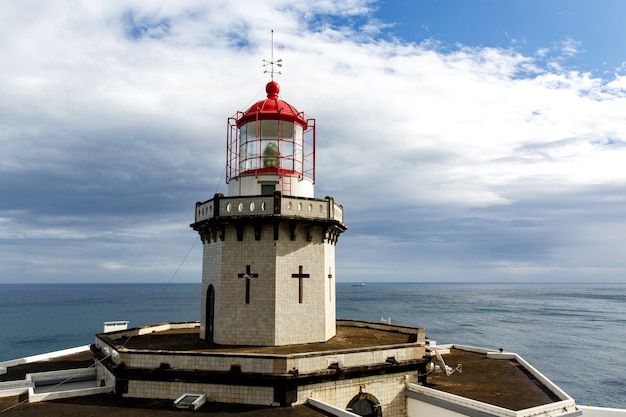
[286, 154]
[298, 132]
[298, 150]
[251, 157]
[250, 130]
[287, 130]
[248, 147]
[269, 129]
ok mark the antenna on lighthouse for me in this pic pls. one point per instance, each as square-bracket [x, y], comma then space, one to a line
[271, 62]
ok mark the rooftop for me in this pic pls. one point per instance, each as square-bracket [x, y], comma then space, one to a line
[500, 382]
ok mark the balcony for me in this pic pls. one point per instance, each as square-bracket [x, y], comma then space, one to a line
[273, 205]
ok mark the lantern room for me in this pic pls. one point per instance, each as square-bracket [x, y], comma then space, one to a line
[271, 147]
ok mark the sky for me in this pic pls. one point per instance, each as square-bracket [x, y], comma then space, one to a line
[467, 140]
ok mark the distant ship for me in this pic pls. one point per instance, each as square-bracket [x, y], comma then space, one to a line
[359, 285]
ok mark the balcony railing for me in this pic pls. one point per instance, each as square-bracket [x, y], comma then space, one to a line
[306, 208]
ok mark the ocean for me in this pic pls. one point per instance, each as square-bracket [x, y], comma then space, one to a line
[572, 333]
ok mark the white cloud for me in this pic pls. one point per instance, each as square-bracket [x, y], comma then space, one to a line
[570, 47]
[113, 124]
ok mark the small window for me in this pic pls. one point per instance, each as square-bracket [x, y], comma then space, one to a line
[268, 189]
[365, 405]
[363, 408]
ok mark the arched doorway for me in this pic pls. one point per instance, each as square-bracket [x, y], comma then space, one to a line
[365, 405]
[210, 313]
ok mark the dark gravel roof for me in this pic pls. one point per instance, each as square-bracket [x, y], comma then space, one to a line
[501, 382]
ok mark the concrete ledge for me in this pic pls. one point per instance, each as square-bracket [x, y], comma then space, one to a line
[12, 388]
[174, 345]
[474, 408]
[33, 398]
[589, 411]
[44, 356]
[327, 408]
[57, 377]
[54, 385]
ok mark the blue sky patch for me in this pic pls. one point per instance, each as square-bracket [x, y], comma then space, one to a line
[140, 27]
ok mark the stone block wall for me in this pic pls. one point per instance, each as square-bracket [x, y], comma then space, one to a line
[277, 312]
[387, 389]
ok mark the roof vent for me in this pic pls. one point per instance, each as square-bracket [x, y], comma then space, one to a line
[190, 401]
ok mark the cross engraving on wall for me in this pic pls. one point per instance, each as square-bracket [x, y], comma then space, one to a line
[300, 277]
[247, 276]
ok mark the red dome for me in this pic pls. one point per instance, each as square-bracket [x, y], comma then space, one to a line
[272, 108]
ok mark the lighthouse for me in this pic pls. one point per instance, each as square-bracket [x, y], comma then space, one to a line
[268, 266]
[268, 333]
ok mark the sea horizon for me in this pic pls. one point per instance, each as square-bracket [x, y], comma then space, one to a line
[591, 282]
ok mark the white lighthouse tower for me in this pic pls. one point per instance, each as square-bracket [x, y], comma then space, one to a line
[268, 274]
